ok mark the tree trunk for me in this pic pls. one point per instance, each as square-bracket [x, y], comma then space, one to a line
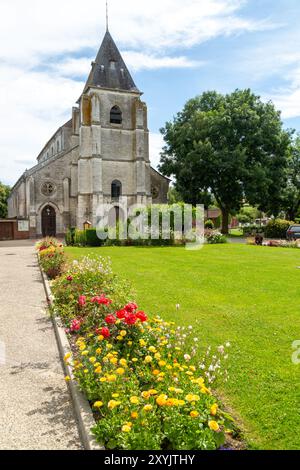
[225, 221]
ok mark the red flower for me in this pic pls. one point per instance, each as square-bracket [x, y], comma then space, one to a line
[69, 278]
[142, 316]
[75, 325]
[130, 319]
[121, 314]
[110, 319]
[105, 332]
[101, 300]
[130, 308]
[82, 301]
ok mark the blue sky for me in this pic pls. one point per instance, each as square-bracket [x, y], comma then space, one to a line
[174, 50]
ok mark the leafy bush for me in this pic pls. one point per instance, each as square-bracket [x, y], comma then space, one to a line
[70, 235]
[92, 277]
[80, 238]
[277, 228]
[92, 238]
[209, 225]
[214, 238]
[52, 260]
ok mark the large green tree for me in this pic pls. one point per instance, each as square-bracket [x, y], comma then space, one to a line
[231, 146]
[291, 193]
[4, 193]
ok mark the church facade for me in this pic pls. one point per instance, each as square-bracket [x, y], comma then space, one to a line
[100, 156]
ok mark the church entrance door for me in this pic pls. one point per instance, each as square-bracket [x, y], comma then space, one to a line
[48, 222]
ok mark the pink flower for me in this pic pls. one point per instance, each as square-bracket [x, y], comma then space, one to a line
[110, 319]
[69, 278]
[75, 325]
[82, 301]
[142, 316]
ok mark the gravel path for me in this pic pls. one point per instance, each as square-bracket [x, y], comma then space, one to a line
[35, 411]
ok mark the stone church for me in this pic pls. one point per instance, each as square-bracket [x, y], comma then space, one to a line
[99, 155]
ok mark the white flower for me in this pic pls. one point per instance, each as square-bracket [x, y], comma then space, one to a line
[196, 340]
[221, 349]
[228, 345]
[187, 357]
[177, 306]
[190, 327]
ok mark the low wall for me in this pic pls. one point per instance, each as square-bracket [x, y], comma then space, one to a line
[14, 229]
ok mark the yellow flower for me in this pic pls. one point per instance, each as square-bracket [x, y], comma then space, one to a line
[146, 394]
[126, 428]
[181, 402]
[92, 360]
[100, 338]
[112, 404]
[114, 360]
[115, 395]
[98, 404]
[98, 370]
[67, 378]
[153, 392]
[213, 425]
[111, 378]
[148, 408]
[205, 390]
[99, 351]
[134, 415]
[161, 400]
[123, 333]
[97, 364]
[162, 363]
[157, 356]
[103, 379]
[194, 414]
[142, 342]
[148, 359]
[67, 357]
[129, 343]
[120, 338]
[152, 349]
[109, 346]
[120, 371]
[156, 372]
[134, 359]
[86, 371]
[191, 397]
[134, 400]
[214, 409]
[169, 367]
[84, 353]
[123, 362]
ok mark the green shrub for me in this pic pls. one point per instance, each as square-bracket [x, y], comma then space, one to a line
[277, 228]
[209, 225]
[69, 237]
[213, 237]
[52, 260]
[80, 238]
[92, 238]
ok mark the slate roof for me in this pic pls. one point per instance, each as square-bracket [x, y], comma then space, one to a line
[109, 69]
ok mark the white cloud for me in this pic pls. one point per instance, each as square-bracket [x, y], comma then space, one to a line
[38, 41]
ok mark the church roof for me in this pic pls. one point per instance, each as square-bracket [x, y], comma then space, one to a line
[109, 69]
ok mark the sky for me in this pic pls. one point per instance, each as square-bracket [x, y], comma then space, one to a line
[174, 49]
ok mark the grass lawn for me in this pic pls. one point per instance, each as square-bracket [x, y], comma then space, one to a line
[247, 295]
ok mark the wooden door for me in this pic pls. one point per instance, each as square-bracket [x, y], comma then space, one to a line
[49, 222]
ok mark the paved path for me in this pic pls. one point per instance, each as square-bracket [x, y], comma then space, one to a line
[35, 410]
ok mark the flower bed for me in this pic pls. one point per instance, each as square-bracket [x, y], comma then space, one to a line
[143, 377]
[51, 256]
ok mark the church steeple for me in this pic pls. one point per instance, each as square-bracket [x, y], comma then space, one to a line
[109, 69]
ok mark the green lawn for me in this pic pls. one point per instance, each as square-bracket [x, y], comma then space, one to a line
[247, 295]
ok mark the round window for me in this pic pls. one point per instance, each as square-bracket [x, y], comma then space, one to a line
[48, 188]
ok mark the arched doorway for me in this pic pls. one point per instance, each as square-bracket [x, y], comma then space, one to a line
[48, 222]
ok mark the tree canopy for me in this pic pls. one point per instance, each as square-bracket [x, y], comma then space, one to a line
[231, 146]
[291, 194]
[4, 193]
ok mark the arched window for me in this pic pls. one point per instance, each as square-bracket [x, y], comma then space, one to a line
[116, 115]
[57, 146]
[116, 189]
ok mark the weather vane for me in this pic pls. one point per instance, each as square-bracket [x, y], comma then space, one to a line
[106, 15]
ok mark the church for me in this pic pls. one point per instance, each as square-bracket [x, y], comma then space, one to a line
[100, 155]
